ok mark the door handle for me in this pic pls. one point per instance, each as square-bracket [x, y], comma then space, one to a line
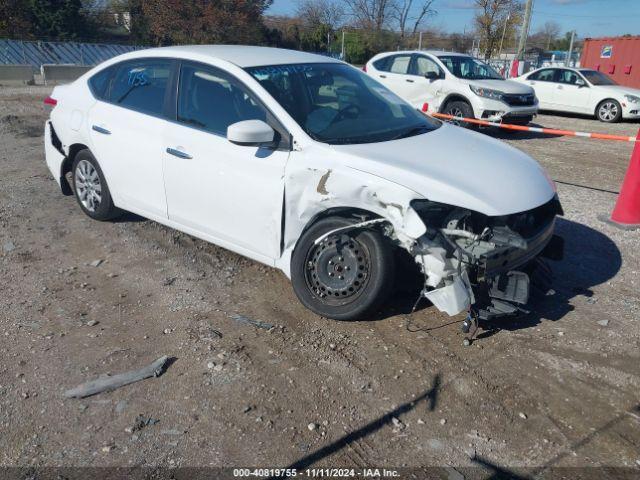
[102, 130]
[383, 76]
[178, 153]
[408, 80]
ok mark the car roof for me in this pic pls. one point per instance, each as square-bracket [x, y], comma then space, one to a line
[436, 53]
[241, 55]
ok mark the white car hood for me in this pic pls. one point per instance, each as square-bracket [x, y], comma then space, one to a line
[506, 86]
[458, 167]
[618, 89]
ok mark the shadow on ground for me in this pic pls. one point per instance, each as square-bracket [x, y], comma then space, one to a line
[430, 397]
[591, 258]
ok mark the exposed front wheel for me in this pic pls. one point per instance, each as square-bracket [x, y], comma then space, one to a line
[347, 275]
[609, 111]
[90, 188]
[459, 109]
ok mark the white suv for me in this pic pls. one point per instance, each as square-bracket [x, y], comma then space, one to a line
[454, 84]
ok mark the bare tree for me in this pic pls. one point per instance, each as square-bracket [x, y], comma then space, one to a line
[370, 14]
[321, 12]
[495, 17]
[551, 31]
[408, 17]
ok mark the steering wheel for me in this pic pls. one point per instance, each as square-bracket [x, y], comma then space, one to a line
[342, 113]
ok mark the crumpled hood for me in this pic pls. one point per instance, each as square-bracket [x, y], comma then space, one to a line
[458, 167]
[505, 86]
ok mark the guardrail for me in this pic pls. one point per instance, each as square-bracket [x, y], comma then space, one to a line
[55, 74]
[16, 74]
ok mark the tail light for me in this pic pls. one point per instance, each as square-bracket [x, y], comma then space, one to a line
[364, 69]
[50, 101]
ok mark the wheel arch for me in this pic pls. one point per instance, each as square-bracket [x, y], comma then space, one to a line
[67, 165]
[454, 97]
[600, 102]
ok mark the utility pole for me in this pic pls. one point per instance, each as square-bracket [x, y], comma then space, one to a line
[328, 42]
[420, 41]
[522, 44]
[504, 31]
[342, 49]
[568, 60]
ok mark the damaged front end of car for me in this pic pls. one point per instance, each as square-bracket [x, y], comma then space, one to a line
[484, 264]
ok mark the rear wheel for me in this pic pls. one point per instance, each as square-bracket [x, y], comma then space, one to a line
[347, 275]
[459, 108]
[609, 111]
[90, 188]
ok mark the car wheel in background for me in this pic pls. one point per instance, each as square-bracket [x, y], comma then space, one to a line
[459, 108]
[609, 111]
[345, 276]
[90, 188]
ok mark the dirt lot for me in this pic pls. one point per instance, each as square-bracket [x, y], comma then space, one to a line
[558, 388]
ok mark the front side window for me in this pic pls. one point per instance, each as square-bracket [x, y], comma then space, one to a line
[469, 68]
[424, 65]
[211, 100]
[141, 85]
[597, 78]
[547, 75]
[338, 104]
[569, 76]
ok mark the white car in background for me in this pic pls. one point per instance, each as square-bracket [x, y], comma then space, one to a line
[455, 84]
[582, 90]
[306, 164]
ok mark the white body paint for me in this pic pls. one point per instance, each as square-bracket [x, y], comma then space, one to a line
[235, 196]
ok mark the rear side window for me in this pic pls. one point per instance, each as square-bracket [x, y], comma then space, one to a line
[99, 83]
[548, 75]
[212, 100]
[400, 64]
[141, 85]
[382, 64]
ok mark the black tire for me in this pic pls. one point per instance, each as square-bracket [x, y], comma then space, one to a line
[459, 108]
[609, 111]
[93, 194]
[364, 257]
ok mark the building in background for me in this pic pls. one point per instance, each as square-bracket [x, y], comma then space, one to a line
[618, 57]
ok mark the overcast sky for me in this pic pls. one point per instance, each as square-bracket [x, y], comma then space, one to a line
[590, 18]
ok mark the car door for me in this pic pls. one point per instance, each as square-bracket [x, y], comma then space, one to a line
[125, 132]
[396, 76]
[419, 88]
[226, 193]
[544, 83]
[572, 92]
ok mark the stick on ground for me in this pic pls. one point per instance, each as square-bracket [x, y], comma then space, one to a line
[104, 384]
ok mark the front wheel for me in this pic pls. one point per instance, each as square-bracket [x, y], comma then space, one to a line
[459, 109]
[609, 111]
[347, 275]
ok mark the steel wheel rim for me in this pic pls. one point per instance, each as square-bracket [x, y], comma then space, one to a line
[337, 269]
[88, 186]
[608, 111]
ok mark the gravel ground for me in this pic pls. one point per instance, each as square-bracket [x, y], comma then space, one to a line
[557, 388]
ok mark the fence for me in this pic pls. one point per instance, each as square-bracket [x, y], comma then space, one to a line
[36, 54]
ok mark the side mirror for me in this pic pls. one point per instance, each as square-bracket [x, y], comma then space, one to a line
[580, 83]
[251, 133]
[431, 76]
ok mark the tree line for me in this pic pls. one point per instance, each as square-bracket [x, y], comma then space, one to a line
[370, 26]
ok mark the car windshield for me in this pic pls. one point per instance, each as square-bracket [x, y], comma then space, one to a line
[469, 68]
[338, 104]
[597, 78]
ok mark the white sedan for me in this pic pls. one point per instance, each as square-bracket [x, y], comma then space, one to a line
[582, 90]
[307, 164]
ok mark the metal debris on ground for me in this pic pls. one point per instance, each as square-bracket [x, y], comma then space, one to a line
[251, 321]
[108, 383]
[140, 422]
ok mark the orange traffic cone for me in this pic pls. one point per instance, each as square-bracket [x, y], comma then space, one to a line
[626, 213]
